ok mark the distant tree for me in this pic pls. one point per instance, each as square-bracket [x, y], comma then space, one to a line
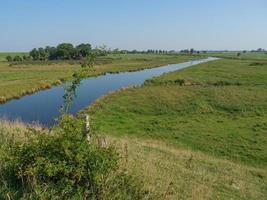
[244, 51]
[17, 58]
[101, 50]
[238, 54]
[124, 51]
[116, 51]
[65, 51]
[43, 55]
[9, 58]
[51, 52]
[192, 51]
[185, 51]
[35, 54]
[84, 50]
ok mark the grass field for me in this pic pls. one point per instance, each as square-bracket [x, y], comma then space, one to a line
[243, 56]
[213, 115]
[27, 77]
[221, 72]
[197, 133]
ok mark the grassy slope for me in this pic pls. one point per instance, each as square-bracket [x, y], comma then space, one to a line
[177, 173]
[228, 122]
[25, 78]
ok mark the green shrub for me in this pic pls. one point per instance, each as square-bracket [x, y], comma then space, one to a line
[17, 59]
[62, 165]
[9, 58]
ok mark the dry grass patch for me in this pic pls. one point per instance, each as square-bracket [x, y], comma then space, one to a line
[15, 129]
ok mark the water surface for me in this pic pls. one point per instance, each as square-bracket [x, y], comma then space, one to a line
[43, 106]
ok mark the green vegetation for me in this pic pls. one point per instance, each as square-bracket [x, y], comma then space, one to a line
[217, 108]
[67, 51]
[229, 117]
[61, 164]
[242, 55]
[221, 72]
[24, 78]
[224, 100]
[64, 51]
[13, 54]
[197, 133]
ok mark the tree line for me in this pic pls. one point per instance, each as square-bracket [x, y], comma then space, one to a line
[67, 51]
[63, 51]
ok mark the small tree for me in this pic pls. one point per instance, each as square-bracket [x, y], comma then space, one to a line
[17, 58]
[65, 51]
[51, 52]
[35, 54]
[84, 50]
[9, 58]
[42, 54]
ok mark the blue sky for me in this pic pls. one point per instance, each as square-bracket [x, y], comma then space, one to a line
[134, 24]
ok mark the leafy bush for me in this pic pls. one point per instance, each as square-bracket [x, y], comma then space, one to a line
[17, 59]
[61, 164]
[9, 58]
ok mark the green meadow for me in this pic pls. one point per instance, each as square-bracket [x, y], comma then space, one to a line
[133, 100]
[200, 130]
[196, 133]
[241, 55]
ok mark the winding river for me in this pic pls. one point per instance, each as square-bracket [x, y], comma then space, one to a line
[43, 106]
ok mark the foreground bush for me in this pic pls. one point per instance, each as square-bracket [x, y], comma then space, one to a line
[63, 165]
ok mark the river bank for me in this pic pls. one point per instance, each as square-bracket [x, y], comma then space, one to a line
[44, 106]
[18, 80]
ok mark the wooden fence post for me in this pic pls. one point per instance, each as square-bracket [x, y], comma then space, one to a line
[87, 129]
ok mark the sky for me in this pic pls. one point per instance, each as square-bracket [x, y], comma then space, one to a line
[134, 24]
